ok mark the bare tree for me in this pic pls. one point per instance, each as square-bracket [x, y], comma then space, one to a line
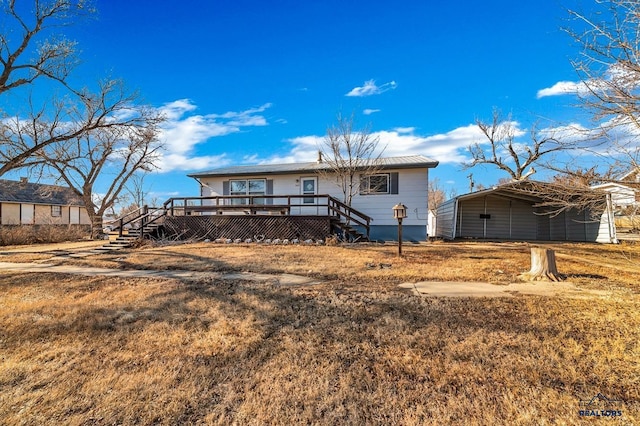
[30, 52]
[609, 70]
[136, 190]
[503, 151]
[564, 194]
[437, 195]
[67, 119]
[351, 157]
[111, 153]
[31, 55]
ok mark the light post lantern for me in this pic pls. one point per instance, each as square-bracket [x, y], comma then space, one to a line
[399, 212]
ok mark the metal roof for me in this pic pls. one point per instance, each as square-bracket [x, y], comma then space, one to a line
[406, 162]
[528, 190]
[37, 193]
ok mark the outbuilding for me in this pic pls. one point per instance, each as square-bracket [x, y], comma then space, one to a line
[513, 212]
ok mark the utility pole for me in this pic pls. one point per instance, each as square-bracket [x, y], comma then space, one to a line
[471, 182]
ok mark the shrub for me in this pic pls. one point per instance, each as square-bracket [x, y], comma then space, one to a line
[34, 234]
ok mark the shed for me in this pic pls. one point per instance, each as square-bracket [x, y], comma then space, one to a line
[510, 212]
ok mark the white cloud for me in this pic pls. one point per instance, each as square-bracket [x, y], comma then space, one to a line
[370, 111]
[561, 88]
[450, 147]
[181, 133]
[370, 88]
[305, 148]
[615, 77]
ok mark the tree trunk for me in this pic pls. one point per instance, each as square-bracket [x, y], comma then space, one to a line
[543, 266]
[96, 224]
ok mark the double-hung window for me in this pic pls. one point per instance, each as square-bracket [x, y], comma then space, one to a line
[249, 187]
[56, 211]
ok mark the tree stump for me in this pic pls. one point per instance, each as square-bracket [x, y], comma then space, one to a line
[543, 266]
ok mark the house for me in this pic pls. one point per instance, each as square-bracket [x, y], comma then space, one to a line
[625, 191]
[296, 189]
[512, 212]
[25, 203]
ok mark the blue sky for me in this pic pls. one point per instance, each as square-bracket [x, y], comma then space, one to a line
[244, 82]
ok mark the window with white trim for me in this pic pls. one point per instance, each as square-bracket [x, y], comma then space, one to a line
[375, 184]
[56, 211]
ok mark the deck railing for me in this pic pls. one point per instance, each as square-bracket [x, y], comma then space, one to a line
[307, 204]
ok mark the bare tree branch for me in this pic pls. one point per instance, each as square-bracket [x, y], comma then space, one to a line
[506, 153]
[350, 155]
[53, 58]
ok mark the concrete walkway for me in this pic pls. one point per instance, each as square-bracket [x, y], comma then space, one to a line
[477, 289]
[281, 279]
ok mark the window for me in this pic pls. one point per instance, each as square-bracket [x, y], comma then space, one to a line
[56, 211]
[247, 187]
[375, 184]
[309, 188]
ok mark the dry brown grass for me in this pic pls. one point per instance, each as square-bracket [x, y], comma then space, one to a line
[354, 350]
[586, 264]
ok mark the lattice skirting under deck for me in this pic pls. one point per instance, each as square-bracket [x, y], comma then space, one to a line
[244, 227]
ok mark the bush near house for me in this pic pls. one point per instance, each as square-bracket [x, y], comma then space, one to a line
[34, 234]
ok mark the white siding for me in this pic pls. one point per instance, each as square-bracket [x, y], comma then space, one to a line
[412, 191]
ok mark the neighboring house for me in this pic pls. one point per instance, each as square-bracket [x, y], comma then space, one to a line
[24, 203]
[625, 192]
[399, 180]
[622, 196]
[506, 212]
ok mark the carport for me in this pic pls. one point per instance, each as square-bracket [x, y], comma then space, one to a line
[509, 212]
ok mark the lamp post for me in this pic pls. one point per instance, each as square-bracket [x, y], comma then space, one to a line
[399, 212]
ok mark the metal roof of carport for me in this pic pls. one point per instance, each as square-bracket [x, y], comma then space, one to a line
[523, 190]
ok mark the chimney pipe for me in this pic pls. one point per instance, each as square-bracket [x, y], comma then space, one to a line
[319, 156]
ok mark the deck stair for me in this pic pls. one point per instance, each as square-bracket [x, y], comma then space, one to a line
[349, 233]
[119, 243]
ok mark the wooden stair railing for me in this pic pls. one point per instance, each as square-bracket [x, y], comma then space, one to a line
[345, 215]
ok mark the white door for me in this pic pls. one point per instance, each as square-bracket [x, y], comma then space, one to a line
[309, 186]
[27, 212]
[74, 215]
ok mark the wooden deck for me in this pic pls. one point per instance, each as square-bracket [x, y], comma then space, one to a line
[243, 217]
